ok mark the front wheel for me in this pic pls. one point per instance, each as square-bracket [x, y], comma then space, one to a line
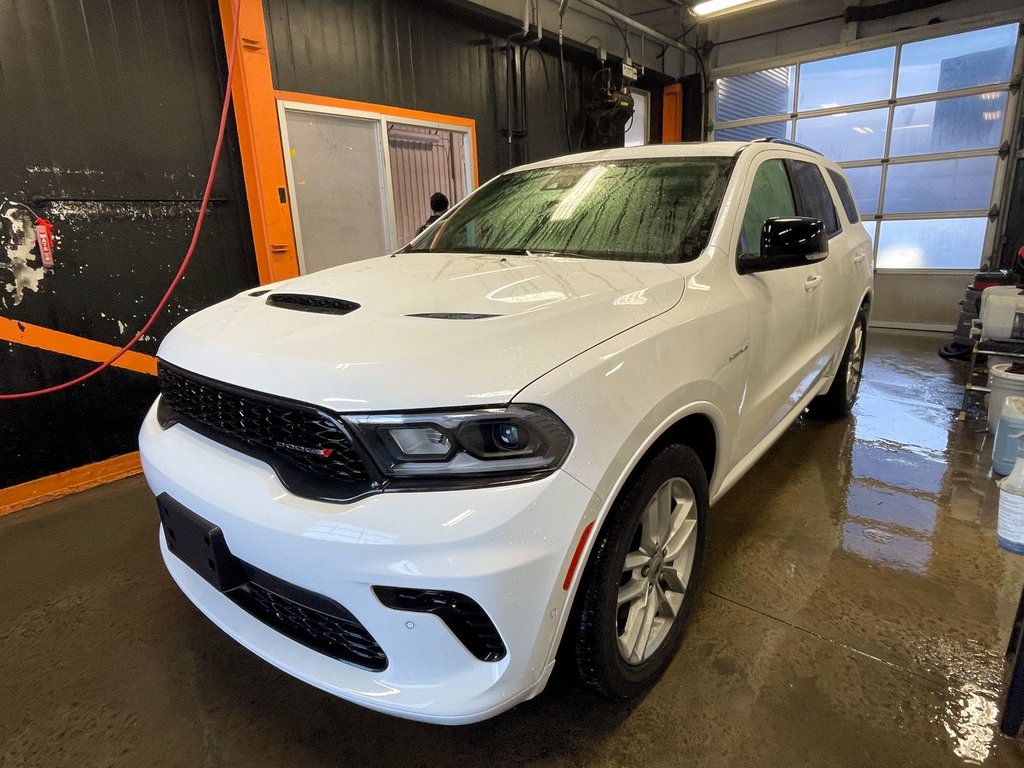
[642, 580]
[842, 394]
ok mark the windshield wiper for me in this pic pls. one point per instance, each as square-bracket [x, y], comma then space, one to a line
[566, 254]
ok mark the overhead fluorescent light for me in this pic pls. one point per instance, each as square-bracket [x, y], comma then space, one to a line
[709, 8]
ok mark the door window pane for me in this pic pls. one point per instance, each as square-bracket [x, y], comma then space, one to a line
[842, 80]
[751, 132]
[758, 94]
[949, 125]
[845, 196]
[770, 196]
[423, 161]
[931, 244]
[847, 135]
[338, 191]
[812, 195]
[957, 61]
[636, 131]
[866, 183]
[943, 185]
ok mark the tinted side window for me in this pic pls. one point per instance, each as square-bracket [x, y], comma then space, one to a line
[812, 195]
[770, 196]
[845, 196]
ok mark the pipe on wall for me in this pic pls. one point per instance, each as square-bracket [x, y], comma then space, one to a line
[857, 13]
[629, 21]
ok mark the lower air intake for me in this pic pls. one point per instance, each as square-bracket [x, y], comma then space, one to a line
[463, 615]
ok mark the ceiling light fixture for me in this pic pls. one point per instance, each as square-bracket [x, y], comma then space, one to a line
[709, 8]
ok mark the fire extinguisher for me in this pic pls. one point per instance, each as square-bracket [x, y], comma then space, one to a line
[44, 237]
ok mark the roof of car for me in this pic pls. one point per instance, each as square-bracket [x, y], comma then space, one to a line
[651, 151]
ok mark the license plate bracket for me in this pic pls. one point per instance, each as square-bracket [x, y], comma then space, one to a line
[199, 544]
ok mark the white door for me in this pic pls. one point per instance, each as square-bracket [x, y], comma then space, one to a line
[337, 175]
[785, 305]
[360, 181]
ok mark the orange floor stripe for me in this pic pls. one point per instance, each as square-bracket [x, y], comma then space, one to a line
[75, 346]
[54, 486]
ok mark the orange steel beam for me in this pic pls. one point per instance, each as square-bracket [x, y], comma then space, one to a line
[259, 139]
[75, 346]
[55, 486]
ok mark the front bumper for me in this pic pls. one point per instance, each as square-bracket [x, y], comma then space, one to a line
[507, 547]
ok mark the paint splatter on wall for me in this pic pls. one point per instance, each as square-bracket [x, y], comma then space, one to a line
[21, 268]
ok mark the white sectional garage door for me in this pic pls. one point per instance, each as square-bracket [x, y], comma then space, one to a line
[921, 128]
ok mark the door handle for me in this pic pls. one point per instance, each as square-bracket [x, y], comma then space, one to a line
[812, 282]
[859, 257]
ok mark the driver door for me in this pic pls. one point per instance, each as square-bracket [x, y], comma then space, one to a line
[784, 307]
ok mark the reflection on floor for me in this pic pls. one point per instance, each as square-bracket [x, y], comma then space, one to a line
[854, 611]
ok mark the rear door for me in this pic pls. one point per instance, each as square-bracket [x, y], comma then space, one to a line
[836, 273]
[784, 309]
[855, 268]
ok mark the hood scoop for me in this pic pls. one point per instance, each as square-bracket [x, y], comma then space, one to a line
[452, 315]
[302, 302]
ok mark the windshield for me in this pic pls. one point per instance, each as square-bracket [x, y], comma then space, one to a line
[630, 210]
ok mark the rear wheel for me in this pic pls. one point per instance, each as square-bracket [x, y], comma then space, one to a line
[642, 580]
[842, 394]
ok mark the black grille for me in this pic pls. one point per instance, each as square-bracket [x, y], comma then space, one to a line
[310, 450]
[306, 303]
[329, 628]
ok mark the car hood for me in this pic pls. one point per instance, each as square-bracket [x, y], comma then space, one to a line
[430, 330]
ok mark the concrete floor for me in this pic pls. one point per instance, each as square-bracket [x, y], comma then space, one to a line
[854, 612]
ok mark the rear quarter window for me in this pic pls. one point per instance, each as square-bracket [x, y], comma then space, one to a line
[812, 196]
[845, 196]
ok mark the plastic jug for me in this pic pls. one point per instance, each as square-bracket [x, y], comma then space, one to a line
[1005, 447]
[1003, 383]
[1010, 527]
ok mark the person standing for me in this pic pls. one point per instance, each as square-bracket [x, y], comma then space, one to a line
[438, 207]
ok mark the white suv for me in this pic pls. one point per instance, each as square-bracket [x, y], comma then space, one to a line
[413, 480]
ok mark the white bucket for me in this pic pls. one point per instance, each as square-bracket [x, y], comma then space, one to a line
[1002, 384]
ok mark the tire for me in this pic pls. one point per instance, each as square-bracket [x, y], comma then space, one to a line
[842, 394]
[613, 653]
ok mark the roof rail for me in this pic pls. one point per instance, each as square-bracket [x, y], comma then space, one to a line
[787, 142]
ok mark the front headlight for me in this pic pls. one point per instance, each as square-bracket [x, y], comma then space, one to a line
[512, 443]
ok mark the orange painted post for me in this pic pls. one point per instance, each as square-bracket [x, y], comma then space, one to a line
[259, 138]
[672, 113]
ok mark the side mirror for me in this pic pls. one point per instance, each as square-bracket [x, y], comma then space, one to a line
[786, 242]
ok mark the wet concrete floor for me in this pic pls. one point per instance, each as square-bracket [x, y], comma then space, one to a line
[854, 612]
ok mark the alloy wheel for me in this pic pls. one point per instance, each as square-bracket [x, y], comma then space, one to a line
[656, 571]
[855, 364]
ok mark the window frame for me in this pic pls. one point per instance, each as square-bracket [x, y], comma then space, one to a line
[897, 40]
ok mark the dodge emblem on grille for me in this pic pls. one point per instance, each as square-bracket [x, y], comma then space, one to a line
[325, 452]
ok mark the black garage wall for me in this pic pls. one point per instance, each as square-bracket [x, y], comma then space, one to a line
[108, 118]
[439, 57]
